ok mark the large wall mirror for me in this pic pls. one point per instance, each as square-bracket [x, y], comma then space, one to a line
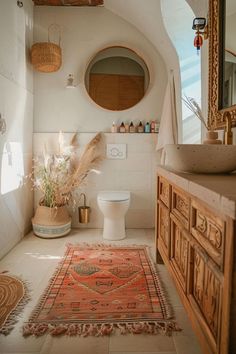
[228, 98]
[117, 78]
[222, 62]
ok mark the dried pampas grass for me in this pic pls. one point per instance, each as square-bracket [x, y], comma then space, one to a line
[89, 160]
[58, 176]
[193, 106]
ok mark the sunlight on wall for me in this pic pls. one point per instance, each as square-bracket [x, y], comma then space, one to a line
[12, 169]
[178, 17]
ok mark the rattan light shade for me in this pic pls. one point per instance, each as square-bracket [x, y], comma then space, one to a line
[46, 57]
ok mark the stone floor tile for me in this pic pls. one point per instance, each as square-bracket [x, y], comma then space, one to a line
[187, 345]
[76, 345]
[141, 343]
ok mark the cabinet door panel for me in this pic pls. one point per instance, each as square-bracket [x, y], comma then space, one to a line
[180, 206]
[164, 191]
[209, 230]
[205, 291]
[179, 252]
[163, 228]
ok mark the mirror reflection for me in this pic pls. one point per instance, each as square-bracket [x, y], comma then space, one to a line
[229, 64]
[117, 78]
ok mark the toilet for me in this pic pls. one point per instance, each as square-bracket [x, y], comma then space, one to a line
[114, 205]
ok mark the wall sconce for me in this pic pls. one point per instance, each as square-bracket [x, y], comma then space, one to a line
[19, 3]
[70, 81]
[201, 28]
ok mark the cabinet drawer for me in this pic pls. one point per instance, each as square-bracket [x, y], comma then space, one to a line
[179, 241]
[205, 293]
[209, 230]
[180, 206]
[163, 228]
[164, 191]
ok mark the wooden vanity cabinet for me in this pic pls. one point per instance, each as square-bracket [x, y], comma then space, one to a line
[197, 245]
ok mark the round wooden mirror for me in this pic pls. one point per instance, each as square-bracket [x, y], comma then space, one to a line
[117, 78]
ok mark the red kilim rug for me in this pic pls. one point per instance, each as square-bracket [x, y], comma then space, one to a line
[97, 288]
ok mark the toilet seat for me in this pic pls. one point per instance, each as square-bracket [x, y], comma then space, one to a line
[114, 196]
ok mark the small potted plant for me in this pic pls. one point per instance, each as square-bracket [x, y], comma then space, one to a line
[57, 177]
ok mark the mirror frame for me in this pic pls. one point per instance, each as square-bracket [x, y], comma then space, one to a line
[216, 116]
[141, 57]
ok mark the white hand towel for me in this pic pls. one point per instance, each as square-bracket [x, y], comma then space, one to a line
[168, 132]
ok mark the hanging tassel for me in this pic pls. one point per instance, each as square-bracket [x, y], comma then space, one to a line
[198, 41]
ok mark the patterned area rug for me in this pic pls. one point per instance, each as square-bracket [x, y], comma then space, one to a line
[13, 297]
[97, 288]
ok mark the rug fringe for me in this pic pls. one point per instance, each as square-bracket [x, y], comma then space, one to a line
[98, 329]
[104, 245]
[15, 314]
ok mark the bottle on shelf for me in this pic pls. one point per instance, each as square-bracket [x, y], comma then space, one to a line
[156, 128]
[140, 127]
[114, 128]
[147, 128]
[127, 127]
[152, 126]
[122, 128]
[131, 127]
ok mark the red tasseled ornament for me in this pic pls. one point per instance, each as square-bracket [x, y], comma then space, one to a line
[198, 41]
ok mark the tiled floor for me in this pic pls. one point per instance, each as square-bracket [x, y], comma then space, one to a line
[34, 260]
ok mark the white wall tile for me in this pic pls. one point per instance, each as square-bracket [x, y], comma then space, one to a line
[16, 211]
[16, 106]
[16, 38]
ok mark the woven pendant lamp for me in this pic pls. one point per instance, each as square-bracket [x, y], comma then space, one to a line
[47, 56]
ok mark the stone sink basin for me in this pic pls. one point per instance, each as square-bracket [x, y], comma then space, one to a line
[193, 158]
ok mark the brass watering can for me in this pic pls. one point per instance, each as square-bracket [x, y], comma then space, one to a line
[84, 211]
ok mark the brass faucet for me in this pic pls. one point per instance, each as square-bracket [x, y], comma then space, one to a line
[228, 129]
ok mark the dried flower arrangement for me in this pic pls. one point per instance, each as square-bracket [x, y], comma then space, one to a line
[58, 176]
[193, 106]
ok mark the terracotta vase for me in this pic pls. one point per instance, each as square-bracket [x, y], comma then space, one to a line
[212, 138]
[51, 222]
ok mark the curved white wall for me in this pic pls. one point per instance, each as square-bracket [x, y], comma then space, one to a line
[84, 32]
[16, 106]
[147, 17]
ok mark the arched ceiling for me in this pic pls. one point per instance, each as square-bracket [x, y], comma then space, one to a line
[146, 16]
[148, 19]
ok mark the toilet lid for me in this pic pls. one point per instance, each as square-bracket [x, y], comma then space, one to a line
[113, 196]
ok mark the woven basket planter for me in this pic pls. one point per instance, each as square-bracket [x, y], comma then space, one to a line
[51, 222]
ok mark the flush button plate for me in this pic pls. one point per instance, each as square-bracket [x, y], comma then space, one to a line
[116, 151]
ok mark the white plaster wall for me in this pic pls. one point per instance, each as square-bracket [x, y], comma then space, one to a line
[84, 32]
[147, 17]
[136, 173]
[200, 7]
[16, 105]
